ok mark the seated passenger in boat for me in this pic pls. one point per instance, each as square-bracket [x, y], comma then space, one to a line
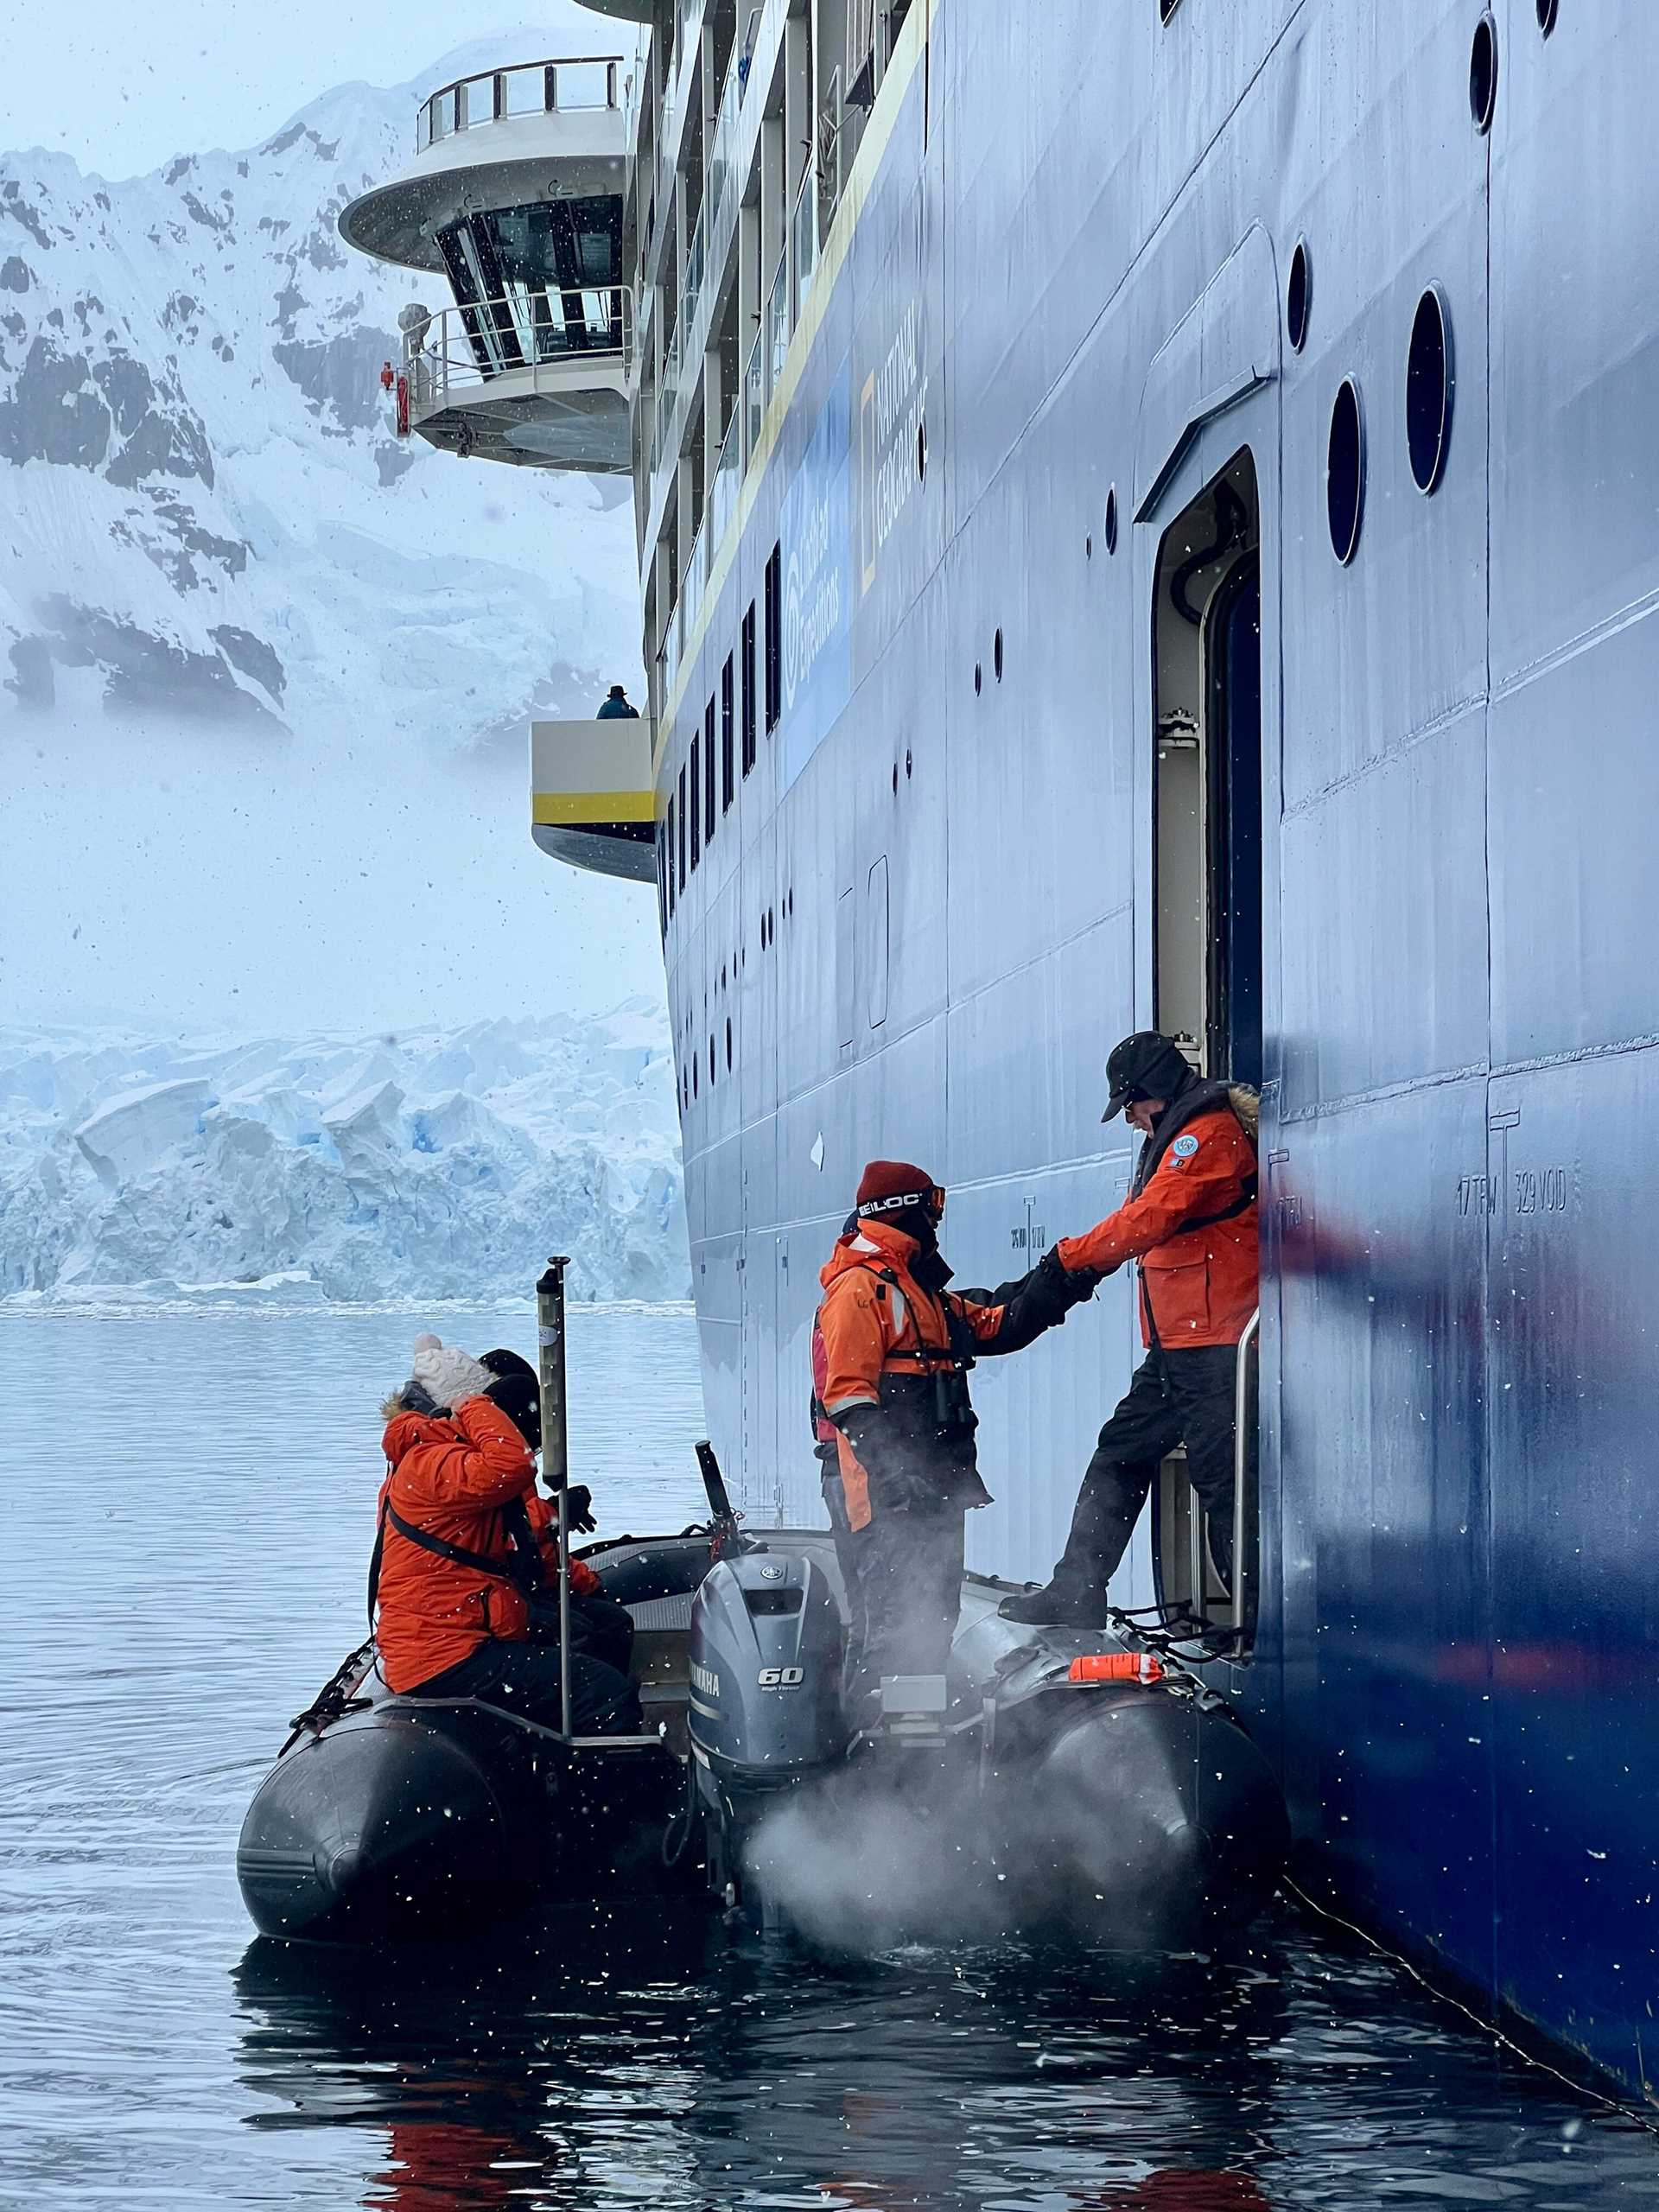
[466, 1590]
[598, 1624]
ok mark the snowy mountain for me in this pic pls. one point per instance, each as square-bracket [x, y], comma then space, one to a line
[204, 511]
[424, 1167]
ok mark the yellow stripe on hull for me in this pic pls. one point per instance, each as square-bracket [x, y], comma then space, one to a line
[566, 809]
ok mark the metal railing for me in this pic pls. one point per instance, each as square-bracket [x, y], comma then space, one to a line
[1241, 1457]
[567, 87]
[721, 172]
[534, 331]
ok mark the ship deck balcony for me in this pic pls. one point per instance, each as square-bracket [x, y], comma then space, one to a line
[516, 196]
[539, 378]
[591, 801]
[532, 134]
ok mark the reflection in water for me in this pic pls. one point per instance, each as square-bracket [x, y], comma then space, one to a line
[187, 1505]
[676, 2063]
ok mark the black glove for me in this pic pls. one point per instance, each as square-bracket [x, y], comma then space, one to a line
[579, 1510]
[897, 1484]
[1066, 1286]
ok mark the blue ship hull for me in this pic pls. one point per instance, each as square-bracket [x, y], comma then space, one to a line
[1050, 314]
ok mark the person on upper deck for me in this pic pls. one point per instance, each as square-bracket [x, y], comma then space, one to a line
[466, 1567]
[1190, 1221]
[892, 1355]
[616, 706]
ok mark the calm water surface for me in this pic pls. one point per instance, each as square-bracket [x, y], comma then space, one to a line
[185, 1504]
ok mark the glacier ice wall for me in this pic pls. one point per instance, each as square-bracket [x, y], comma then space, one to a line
[434, 1164]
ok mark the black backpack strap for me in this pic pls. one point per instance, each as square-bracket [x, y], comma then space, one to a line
[375, 1557]
[522, 1566]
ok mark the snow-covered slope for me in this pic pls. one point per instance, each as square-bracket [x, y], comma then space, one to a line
[431, 1166]
[206, 510]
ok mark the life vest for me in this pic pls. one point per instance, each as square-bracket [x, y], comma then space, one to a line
[921, 1383]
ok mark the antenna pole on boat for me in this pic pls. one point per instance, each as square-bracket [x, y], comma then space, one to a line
[555, 1448]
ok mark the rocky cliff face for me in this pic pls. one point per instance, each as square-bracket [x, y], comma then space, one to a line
[207, 513]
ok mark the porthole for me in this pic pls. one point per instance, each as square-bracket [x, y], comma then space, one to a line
[728, 1044]
[1345, 472]
[1428, 391]
[694, 1079]
[1547, 16]
[908, 764]
[921, 450]
[895, 779]
[711, 1061]
[1299, 297]
[996, 655]
[978, 679]
[1089, 546]
[1483, 74]
[1111, 519]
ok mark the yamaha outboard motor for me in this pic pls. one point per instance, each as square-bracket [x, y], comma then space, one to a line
[766, 1689]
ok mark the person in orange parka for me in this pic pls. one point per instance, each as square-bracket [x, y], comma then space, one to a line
[1190, 1219]
[467, 1548]
[896, 1350]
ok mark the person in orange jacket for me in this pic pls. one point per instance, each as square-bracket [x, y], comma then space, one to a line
[891, 1357]
[466, 1560]
[1190, 1221]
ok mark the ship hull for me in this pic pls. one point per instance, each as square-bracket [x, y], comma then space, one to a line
[1050, 315]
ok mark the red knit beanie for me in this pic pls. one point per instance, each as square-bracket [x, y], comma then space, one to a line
[885, 1181]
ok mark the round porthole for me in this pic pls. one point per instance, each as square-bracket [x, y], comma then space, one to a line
[996, 655]
[1483, 74]
[1088, 545]
[1344, 473]
[728, 1044]
[1299, 297]
[1428, 391]
[711, 1063]
[1547, 16]
[694, 1079]
[921, 448]
[978, 679]
[1111, 519]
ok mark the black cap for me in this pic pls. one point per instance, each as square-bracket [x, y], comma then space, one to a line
[1146, 1066]
[517, 1391]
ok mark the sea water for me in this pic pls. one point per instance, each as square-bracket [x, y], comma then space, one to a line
[187, 1504]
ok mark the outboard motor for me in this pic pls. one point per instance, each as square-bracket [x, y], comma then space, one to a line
[765, 1688]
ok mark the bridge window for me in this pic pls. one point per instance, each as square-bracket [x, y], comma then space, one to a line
[774, 638]
[748, 690]
[728, 737]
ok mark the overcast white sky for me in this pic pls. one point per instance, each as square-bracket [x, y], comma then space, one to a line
[123, 89]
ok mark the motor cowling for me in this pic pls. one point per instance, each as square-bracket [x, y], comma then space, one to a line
[765, 1670]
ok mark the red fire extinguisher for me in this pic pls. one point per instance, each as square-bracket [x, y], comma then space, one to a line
[402, 407]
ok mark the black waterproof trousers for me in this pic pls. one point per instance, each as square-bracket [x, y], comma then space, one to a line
[850, 1560]
[1175, 1397]
[524, 1678]
[909, 1567]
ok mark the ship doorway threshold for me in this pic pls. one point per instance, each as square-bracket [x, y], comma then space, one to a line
[1207, 909]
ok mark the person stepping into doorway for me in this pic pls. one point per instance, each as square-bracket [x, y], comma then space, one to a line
[1190, 1221]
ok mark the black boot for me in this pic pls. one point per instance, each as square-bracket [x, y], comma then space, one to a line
[1054, 1605]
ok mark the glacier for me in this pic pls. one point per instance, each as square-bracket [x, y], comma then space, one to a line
[423, 1165]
